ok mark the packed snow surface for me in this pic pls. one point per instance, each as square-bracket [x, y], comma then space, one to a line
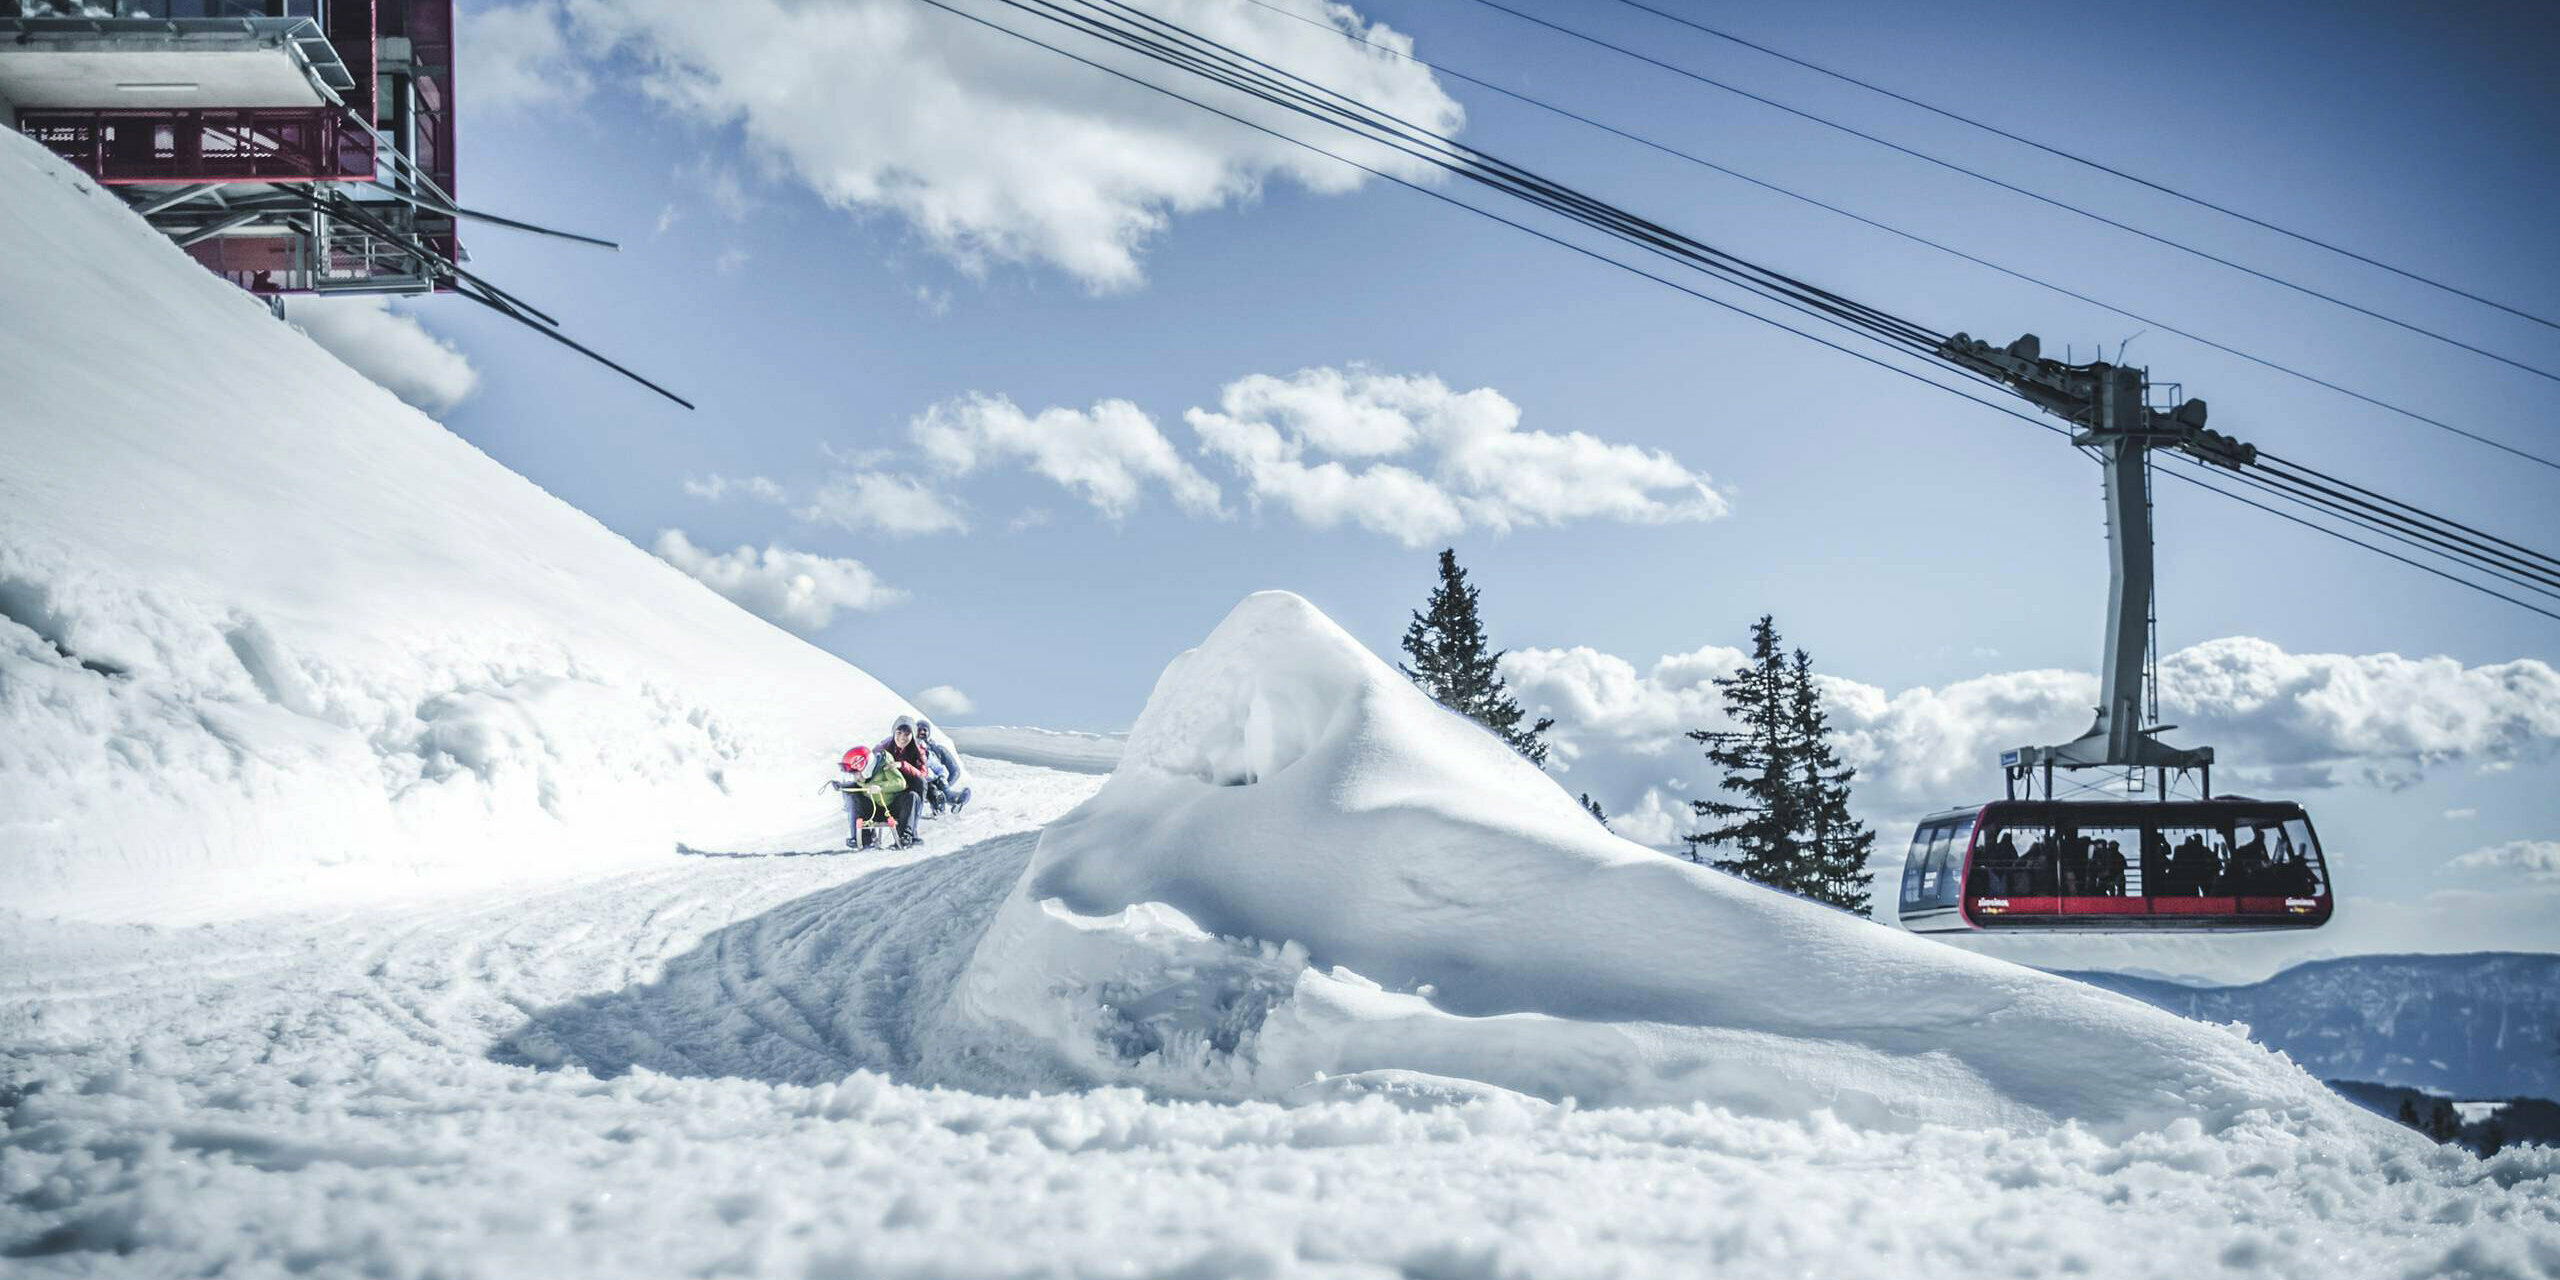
[343, 778]
[713, 1066]
[267, 631]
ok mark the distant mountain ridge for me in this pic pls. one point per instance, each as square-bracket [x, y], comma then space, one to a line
[2475, 1025]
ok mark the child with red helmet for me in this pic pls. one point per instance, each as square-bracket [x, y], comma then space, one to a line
[871, 788]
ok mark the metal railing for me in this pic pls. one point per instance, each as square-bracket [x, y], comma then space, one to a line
[282, 144]
[168, 9]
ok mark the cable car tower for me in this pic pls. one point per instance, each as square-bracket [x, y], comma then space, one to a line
[2109, 409]
[2041, 863]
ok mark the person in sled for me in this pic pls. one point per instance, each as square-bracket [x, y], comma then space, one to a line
[945, 786]
[903, 752]
[871, 788]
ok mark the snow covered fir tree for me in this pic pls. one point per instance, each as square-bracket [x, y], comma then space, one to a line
[1785, 821]
[1447, 655]
[1833, 845]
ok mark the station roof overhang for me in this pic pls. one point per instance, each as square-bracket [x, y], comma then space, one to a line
[90, 64]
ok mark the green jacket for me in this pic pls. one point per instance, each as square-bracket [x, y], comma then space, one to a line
[882, 782]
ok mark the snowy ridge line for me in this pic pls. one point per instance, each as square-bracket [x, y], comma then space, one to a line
[315, 647]
[2474, 1025]
[1067, 749]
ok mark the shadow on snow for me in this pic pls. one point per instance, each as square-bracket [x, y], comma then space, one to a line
[846, 979]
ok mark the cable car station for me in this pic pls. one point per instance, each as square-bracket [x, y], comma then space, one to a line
[291, 146]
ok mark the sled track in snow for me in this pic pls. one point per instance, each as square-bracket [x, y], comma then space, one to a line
[798, 969]
[808, 991]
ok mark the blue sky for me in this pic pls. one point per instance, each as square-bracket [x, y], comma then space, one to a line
[1909, 540]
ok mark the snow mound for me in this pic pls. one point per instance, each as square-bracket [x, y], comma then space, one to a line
[1304, 869]
[268, 634]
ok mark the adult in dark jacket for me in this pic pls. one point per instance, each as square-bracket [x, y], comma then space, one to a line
[906, 754]
[948, 786]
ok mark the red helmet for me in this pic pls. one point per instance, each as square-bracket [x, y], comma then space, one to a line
[858, 760]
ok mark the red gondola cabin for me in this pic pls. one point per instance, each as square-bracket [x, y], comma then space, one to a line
[2232, 864]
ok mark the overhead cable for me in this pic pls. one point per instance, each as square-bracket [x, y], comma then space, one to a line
[2316, 380]
[2029, 193]
[1172, 46]
[2100, 166]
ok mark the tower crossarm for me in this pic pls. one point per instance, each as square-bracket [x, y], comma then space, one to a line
[2079, 394]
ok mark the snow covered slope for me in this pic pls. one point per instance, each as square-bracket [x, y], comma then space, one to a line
[261, 623]
[1304, 868]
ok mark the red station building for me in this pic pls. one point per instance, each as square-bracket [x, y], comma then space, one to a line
[292, 146]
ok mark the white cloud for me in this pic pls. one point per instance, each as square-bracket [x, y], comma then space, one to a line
[520, 56]
[874, 501]
[2460, 815]
[1107, 455]
[2378, 718]
[1600, 701]
[994, 150]
[1931, 746]
[714, 488]
[1461, 460]
[2538, 859]
[392, 349]
[791, 588]
[730, 260]
[1656, 820]
[943, 700]
[2384, 715]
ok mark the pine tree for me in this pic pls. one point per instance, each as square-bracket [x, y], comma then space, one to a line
[2409, 1113]
[2443, 1124]
[1592, 807]
[1832, 866]
[1761, 821]
[1452, 663]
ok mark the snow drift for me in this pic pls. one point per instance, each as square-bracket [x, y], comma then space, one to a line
[259, 618]
[1303, 868]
